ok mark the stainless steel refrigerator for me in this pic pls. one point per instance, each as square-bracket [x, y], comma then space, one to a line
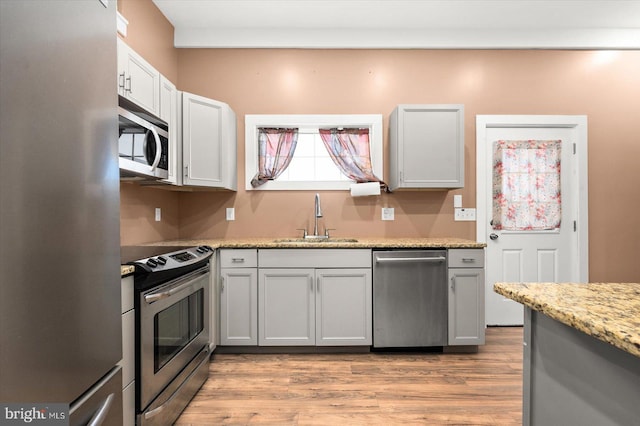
[60, 323]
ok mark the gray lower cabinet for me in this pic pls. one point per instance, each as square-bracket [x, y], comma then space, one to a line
[238, 298]
[344, 307]
[466, 297]
[314, 297]
[314, 307]
[286, 307]
[128, 352]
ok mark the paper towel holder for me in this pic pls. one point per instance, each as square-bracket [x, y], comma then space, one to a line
[365, 189]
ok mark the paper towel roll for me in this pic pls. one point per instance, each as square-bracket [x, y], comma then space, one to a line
[364, 189]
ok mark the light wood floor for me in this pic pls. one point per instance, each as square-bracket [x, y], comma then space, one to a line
[366, 389]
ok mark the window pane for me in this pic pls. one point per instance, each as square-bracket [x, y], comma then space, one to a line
[526, 185]
[300, 169]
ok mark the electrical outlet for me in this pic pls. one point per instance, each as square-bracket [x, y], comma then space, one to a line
[231, 213]
[465, 214]
[388, 213]
[158, 214]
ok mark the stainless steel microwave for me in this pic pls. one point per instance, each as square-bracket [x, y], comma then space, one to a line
[143, 143]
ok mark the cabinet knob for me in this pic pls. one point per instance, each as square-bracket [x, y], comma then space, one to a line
[493, 236]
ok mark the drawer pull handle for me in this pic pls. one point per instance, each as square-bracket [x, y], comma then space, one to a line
[468, 259]
[237, 260]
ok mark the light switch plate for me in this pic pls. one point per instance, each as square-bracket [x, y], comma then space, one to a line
[457, 201]
[388, 213]
[231, 213]
[158, 214]
[465, 215]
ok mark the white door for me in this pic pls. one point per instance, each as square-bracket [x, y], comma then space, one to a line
[524, 245]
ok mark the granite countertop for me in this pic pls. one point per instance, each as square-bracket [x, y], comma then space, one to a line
[607, 311]
[126, 270]
[333, 242]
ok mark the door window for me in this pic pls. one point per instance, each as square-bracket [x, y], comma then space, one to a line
[526, 185]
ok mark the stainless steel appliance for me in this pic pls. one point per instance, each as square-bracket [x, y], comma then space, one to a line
[172, 292]
[409, 298]
[60, 319]
[143, 144]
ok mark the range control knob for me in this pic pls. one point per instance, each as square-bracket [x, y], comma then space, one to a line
[152, 262]
[161, 260]
[201, 249]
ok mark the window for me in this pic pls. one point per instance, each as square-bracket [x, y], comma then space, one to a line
[311, 167]
[526, 185]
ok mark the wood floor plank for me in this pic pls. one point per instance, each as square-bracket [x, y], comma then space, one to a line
[378, 388]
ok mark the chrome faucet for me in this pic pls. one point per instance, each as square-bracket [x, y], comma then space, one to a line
[318, 214]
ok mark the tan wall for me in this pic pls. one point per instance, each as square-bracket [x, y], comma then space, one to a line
[603, 86]
[137, 214]
[151, 35]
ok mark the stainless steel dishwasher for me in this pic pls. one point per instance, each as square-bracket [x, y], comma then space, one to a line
[409, 298]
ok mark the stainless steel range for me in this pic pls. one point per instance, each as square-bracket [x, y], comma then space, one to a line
[172, 292]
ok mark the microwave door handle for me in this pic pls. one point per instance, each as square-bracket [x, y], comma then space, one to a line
[156, 160]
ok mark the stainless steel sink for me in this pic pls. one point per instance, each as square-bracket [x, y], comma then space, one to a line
[316, 240]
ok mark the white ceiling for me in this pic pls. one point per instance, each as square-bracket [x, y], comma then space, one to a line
[402, 24]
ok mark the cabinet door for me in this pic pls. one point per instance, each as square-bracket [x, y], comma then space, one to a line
[238, 306]
[343, 307]
[426, 147]
[286, 307]
[168, 111]
[466, 306]
[214, 304]
[208, 143]
[137, 79]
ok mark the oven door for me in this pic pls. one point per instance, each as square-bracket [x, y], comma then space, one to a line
[174, 327]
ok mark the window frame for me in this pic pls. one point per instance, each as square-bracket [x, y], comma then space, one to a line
[253, 122]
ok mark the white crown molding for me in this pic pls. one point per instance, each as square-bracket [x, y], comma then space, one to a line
[409, 39]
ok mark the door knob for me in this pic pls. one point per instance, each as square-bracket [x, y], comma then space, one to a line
[493, 236]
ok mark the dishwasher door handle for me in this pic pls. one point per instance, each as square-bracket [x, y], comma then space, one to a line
[438, 259]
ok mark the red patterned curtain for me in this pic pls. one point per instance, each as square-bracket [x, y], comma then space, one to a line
[276, 148]
[349, 149]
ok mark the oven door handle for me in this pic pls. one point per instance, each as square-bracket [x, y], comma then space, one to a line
[176, 288]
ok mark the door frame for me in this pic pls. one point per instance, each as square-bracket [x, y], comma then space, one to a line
[580, 174]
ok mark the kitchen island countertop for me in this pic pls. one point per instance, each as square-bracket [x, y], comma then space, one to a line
[609, 312]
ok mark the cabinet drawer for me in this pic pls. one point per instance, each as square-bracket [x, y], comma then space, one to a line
[466, 258]
[126, 294]
[238, 258]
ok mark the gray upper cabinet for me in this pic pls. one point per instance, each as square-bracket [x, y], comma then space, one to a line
[138, 81]
[169, 113]
[426, 144]
[209, 148]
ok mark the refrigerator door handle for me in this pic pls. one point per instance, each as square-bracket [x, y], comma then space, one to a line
[100, 415]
